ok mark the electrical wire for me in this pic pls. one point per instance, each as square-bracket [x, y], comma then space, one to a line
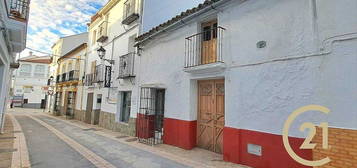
[52, 55]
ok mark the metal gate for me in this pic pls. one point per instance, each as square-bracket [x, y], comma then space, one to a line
[150, 119]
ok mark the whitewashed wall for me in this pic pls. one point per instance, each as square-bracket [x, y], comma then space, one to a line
[115, 46]
[264, 86]
[36, 82]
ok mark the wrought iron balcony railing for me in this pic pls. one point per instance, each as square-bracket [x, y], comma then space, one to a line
[73, 75]
[130, 14]
[99, 73]
[204, 47]
[126, 66]
[89, 79]
[58, 78]
[19, 9]
[64, 77]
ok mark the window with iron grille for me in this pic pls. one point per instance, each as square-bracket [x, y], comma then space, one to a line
[151, 115]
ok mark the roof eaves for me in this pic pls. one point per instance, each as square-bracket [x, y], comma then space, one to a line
[176, 19]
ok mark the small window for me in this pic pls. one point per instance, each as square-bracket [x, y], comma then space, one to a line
[25, 70]
[126, 105]
[26, 101]
[40, 70]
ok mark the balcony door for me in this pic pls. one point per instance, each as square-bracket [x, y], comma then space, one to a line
[209, 42]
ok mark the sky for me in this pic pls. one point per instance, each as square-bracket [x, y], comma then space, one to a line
[51, 19]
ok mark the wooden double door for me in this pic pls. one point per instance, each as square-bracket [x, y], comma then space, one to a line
[210, 120]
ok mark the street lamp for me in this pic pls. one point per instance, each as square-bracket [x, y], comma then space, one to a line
[101, 53]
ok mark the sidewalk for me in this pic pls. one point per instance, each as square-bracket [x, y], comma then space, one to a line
[6, 144]
[195, 158]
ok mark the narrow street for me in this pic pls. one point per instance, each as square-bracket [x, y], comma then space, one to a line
[56, 142]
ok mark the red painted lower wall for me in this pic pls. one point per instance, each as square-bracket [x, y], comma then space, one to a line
[145, 126]
[183, 134]
[274, 154]
[180, 133]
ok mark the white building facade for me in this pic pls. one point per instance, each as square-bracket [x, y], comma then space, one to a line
[225, 76]
[30, 81]
[110, 80]
[63, 46]
[13, 29]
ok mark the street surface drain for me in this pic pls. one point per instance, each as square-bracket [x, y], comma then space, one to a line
[90, 129]
[16, 131]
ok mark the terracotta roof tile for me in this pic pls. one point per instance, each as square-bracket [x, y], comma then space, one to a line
[182, 15]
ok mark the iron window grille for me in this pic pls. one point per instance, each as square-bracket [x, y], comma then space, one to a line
[126, 66]
[151, 116]
[108, 76]
[198, 53]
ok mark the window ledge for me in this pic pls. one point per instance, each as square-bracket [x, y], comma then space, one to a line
[206, 68]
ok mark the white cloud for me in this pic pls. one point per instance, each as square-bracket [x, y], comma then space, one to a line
[51, 19]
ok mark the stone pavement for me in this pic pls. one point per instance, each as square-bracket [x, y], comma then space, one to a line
[6, 144]
[56, 142]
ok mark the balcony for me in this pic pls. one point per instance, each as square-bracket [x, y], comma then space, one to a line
[68, 76]
[15, 21]
[130, 14]
[126, 66]
[58, 78]
[89, 79]
[204, 50]
[19, 10]
[102, 32]
[64, 77]
[99, 73]
[73, 75]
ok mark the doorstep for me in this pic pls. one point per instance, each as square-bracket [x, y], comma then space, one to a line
[196, 157]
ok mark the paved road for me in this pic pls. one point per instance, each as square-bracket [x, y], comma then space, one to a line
[46, 149]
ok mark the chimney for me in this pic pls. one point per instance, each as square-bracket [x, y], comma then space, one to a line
[30, 53]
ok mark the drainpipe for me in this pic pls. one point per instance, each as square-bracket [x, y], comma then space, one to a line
[84, 73]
